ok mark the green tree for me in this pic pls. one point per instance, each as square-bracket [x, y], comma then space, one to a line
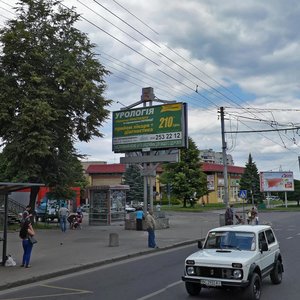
[133, 178]
[250, 181]
[186, 177]
[51, 94]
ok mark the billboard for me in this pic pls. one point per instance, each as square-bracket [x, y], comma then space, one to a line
[151, 127]
[276, 181]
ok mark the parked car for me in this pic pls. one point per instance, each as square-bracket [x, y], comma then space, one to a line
[129, 208]
[274, 198]
[234, 257]
[85, 207]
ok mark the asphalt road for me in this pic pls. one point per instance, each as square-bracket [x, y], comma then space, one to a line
[158, 276]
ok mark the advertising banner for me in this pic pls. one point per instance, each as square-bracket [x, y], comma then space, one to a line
[210, 182]
[150, 127]
[276, 181]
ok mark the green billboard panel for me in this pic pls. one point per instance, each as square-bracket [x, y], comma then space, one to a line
[152, 127]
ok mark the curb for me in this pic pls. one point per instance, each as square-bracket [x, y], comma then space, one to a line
[91, 265]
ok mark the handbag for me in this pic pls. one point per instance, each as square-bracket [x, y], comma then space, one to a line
[32, 240]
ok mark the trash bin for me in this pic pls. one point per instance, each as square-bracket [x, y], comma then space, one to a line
[222, 219]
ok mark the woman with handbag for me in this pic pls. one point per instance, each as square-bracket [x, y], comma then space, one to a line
[26, 233]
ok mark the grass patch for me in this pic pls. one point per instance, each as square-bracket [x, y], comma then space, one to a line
[275, 206]
[283, 208]
[197, 207]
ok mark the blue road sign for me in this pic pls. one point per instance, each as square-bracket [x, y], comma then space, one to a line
[243, 194]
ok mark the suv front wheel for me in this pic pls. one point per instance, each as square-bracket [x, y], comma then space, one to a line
[253, 291]
[193, 288]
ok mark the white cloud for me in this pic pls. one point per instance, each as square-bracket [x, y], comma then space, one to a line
[250, 47]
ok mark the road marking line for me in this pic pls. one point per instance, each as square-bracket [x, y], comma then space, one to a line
[289, 237]
[160, 291]
[63, 288]
[72, 292]
[48, 296]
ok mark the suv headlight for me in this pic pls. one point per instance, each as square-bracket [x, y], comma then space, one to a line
[190, 271]
[237, 274]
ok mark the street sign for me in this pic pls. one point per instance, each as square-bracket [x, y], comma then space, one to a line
[243, 194]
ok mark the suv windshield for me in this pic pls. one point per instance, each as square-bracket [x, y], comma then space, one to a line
[230, 240]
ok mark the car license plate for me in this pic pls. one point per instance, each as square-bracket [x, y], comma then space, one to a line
[211, 282]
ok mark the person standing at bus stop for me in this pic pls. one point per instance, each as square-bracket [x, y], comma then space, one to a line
[150, 225]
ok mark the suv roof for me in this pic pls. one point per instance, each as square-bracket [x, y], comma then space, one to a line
[245, 228]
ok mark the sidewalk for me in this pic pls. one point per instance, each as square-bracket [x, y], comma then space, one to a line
[58, 253]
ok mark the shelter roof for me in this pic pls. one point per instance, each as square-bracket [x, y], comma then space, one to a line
[7, 187]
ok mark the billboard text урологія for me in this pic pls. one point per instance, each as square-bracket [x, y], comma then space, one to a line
[152, 127]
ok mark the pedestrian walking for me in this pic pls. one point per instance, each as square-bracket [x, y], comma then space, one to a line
[139, 216]
[255, 214]
[63, 213]
[229, 215]
[150, 225]
[26, 232]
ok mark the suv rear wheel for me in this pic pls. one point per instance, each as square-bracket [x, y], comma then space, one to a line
[193, 288]
[253, 291]
[276, 274]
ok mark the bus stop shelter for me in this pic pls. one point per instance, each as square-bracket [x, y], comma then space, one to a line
[5, 189]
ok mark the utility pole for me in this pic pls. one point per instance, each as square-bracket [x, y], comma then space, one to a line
[226, 196]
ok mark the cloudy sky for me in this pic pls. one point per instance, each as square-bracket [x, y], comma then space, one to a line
[240, 55]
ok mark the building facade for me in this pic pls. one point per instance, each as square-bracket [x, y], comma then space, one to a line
[215, 182]
[112, 174]
[210, 156]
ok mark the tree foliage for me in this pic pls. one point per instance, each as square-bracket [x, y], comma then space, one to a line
[133, 178]
[51, 94]
[186, 177]
[250, 181]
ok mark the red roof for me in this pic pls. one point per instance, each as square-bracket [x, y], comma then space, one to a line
[208, 167]
[106, 168]
[121, 168]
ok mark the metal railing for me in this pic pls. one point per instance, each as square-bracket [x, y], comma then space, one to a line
[14, 209]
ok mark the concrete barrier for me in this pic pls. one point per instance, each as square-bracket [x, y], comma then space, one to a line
[113, 240]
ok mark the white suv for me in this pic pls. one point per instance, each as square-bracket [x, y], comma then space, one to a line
[237, 256]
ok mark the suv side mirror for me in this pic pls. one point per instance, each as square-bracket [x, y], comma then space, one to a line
[264, 246]
[200, 245]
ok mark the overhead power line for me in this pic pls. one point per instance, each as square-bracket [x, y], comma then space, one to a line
[225, 97]
[135, 17]
[263, 130]
[132, 27]
[123, 31]
[112, 36]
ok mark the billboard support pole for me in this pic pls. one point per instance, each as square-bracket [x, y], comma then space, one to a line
[145, 193]
[285, 198]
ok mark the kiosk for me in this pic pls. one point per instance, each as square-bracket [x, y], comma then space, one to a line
[107, 204]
